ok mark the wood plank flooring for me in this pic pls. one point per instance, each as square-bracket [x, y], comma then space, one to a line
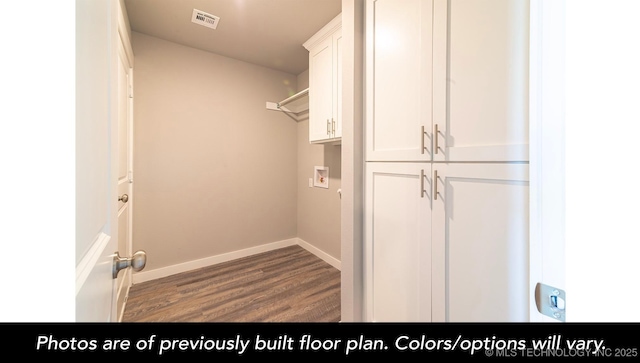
[286, 285]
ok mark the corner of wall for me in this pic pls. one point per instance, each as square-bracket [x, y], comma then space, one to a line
[303, 80]
[318, 209]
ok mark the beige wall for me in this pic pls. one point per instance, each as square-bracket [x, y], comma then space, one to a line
[318, 208]
[214, 170]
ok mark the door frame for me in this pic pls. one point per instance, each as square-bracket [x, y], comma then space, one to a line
[352, 155]
[546, 148]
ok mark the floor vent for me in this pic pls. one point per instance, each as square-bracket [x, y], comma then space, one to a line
[205, 19]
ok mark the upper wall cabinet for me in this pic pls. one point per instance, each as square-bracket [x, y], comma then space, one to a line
[325, 91]
[447, 80]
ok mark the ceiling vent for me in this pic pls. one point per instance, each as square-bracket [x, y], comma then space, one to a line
[205, 19]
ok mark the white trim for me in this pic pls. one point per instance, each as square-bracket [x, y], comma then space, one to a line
[546, 153]
[208, 261]
[123, 289]
[124, 35]
[535, 142]
[319, 253]
[324, 33]
[352, 155]
[85, 266]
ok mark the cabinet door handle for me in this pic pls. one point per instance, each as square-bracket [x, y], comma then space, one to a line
[333, 127]
[435, 138]
[422, 140]
[435, 185]
[422, 191]
[328, 130]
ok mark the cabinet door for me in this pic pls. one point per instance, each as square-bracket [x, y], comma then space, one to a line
[480, 80]
[398, 80]
[321, 61]
[337, 84]
[397, 242]
[481, 243]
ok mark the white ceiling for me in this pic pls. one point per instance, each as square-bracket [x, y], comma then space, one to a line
[264, 32]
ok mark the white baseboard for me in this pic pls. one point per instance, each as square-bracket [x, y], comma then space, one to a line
[143, 276]
[320, 253]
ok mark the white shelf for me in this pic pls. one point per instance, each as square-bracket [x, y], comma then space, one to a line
[296, 105]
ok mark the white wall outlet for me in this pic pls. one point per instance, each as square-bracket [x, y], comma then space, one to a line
[310, 182]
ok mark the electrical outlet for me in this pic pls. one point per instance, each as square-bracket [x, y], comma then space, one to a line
[310, 182]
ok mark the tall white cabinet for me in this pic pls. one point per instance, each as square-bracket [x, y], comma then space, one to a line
[446, 160]
[325, 90]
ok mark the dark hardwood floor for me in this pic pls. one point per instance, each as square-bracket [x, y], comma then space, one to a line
[286, 285]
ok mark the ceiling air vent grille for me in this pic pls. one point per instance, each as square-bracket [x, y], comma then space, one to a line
[205, 19]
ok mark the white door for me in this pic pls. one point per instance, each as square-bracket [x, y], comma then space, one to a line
[100, 93]
[96, 230]
[480, 80]
[481, 243]
[397, 242]
[125, 164]
[398, 80]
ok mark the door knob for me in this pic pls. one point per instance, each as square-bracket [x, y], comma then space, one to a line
[124, 198]
[137, 262]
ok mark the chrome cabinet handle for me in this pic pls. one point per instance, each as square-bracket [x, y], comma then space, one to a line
[124, 198]
[435, 138]
[435, 185]
[422, 191]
